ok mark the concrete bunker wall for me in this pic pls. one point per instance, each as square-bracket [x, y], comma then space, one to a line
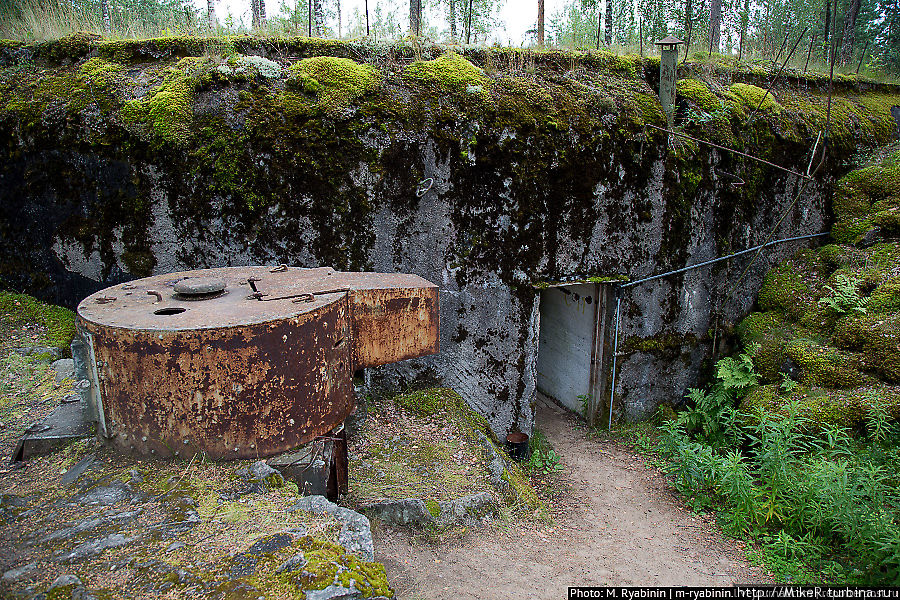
[488, 190]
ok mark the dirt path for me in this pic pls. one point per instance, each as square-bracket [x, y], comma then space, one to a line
[617, 524]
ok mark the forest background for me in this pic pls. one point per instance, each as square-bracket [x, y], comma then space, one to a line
[865, 34]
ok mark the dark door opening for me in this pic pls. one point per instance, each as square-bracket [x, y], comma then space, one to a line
[572, 346]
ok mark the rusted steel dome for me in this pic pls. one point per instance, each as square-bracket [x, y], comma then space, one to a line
[243, 362]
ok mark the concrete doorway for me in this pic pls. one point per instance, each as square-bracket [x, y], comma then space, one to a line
[573, 349]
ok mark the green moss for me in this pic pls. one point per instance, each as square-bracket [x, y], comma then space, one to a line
[698, 93]
[329, 564]
[885, 298]
[71, 47]
[825, 366]
[99, 73]
[433, 508]
[786, 289]
[64, 592]
[168, 108]
[435, 401]
[818, 407]
[867, 197]
[59, 321]
[877, 338]
[336, 81]
[662, 343]
[751, 96]
[404, 459]
[449, 71]
[522, 493]
[771, 332]
[157, 48]
[606, 278]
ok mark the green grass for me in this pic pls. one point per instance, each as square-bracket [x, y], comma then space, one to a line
[58, 322]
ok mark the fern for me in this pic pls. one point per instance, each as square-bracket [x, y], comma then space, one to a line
[844, 296]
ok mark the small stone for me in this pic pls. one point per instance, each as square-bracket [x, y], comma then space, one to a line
[106, 495]
[270, 543]
[294, 563]
[63, 581]
[77, 470]
[65, 369]
[95, 547]
[261, 473]
[19, 572]
[136, 478]
[334, 592]
[175, 546]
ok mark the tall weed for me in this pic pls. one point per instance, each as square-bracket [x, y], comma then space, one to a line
[823, 508]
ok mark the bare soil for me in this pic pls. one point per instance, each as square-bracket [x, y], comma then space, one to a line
[615, 522]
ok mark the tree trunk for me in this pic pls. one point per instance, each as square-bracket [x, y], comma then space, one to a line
[262, 12]
[688, 17]
[318, 19]
[609, 24]
[849, 32]
[453, 21]
[104, 10]
[338, 2]
[469, 23]
[211, 14]
[254, 13]
[715, 25]
[827, 27]
[415, 17]
[540, 23]
[745, 19]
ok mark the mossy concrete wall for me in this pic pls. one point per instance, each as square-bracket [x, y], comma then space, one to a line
[486, 172]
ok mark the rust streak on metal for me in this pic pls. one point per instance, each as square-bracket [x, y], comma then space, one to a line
[238, 378]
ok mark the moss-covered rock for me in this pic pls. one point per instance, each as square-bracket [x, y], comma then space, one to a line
[885, 299]
[335, 81]
[825, 366]
[788, 289]
[698, 93]
[168, 108]
[752, 97]
[771, 332]
[818, 407]
[450, 72]
[868, 197]
[877, 337]
[834, 314]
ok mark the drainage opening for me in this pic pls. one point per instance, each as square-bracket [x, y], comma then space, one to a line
[172, 310]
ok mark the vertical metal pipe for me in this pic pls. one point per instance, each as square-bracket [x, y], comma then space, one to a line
[668, 58]
[596, 340]
[612, 388]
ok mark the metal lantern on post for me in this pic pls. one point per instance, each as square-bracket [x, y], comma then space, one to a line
[668, 50]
